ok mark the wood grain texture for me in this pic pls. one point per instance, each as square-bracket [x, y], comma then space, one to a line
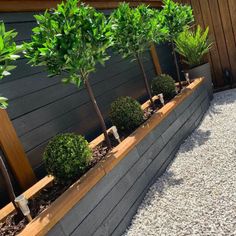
[232, 8]
[155, 59]
[227, 26]
[14, 153]
[41, 5]
[220, 16]
[219, 34]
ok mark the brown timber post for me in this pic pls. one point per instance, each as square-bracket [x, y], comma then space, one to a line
[155, 59]
[14, 153]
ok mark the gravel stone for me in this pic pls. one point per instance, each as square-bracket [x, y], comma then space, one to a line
[197, 193]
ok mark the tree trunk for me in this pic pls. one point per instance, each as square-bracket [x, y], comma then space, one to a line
[9, 186]
[99, 114]
[145, 80]
[176, 65]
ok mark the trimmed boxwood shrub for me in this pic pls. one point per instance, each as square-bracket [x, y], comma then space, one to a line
[126, 113]
[67, 156]
[164, 84]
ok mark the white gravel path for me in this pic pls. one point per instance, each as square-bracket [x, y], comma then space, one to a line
[197, 194]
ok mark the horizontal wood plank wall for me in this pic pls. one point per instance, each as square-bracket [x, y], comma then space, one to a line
[220, 16]
[39, 5]
[42, 107]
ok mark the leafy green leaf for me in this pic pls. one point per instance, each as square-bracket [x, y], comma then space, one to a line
[70, 39]
[8, 53]
[176, 17]
[193, 45]
[134, 29]
[3, 103]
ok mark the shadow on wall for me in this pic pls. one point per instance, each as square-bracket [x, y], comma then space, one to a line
[166, 60]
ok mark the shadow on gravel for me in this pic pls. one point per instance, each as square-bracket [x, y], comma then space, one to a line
[198, 138]
[226, 98]
[213, 111]
[167, 180]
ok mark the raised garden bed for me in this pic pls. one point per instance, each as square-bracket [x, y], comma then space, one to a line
[103, 201]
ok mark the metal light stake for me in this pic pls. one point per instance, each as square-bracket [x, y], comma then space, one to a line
[187, 78]
[115, 133]
[22, 203]
[161, 97]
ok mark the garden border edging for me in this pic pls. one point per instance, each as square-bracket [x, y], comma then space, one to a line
[103, 201]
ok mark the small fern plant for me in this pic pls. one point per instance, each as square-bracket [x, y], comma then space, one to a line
[193, 46]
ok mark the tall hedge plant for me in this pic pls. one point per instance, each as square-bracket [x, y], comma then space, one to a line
[73, 38]
[133, 30]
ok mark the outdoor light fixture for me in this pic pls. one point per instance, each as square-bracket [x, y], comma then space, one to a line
[115, 133]
[22, 203]
[161, 97]
[228, 77]
[187, 77]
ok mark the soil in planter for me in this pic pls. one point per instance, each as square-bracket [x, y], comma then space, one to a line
[15, 224]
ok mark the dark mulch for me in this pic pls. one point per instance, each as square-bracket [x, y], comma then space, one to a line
[14, 224]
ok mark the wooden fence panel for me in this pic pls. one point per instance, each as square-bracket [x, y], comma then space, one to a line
[220, 17]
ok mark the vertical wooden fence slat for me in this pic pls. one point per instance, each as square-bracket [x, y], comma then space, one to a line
[229, 33]
[155, 59]
[197, 13]
[205, 9]
[221, 18]
[219, 34]
[232, 8]
[14, 153]
[199, 21]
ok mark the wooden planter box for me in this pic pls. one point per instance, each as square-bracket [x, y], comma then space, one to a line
[105, 199]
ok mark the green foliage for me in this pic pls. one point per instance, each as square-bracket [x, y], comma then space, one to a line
[126, 113]
[176, 18]
[70, 39]
[8, 51]
[193, 46]
[133, 29]
[164, 84]
[3, 103]
[67, 156]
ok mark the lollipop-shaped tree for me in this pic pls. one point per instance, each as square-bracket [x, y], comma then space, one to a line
[72, 39]
[133, 31]
[176, 18]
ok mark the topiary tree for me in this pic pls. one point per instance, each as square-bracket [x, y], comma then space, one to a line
[72, 39]
[176, 18]
[133, 31]
[126, 113]
[67, 156]
[164, 84]
[8, 54]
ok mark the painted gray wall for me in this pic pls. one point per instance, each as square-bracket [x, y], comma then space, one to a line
[42, 107]
[108, 208]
